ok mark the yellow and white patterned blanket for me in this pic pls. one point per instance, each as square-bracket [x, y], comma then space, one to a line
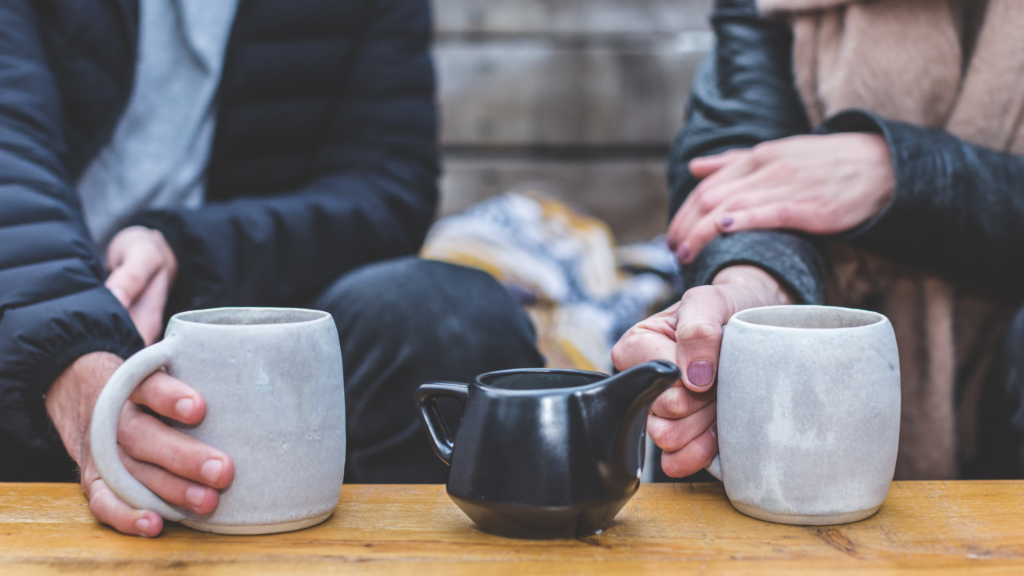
[580, 290]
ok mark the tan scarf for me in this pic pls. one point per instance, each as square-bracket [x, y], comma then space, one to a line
[905, 60]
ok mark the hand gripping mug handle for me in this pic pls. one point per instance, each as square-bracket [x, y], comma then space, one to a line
[103, 437]
[426, 400]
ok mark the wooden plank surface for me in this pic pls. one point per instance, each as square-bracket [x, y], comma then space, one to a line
[530, 92]
[923, 528]
[570, 16]
[629, 194]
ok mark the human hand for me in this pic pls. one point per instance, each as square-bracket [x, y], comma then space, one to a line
[142, 270]
[689, 333]
[175, 466]
[822, 184]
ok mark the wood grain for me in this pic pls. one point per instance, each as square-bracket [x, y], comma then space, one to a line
[570, 16]
[532, 92]
[630, 195]
[923, 528]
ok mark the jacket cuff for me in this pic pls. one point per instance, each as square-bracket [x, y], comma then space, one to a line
[42, 352]
[793, 261]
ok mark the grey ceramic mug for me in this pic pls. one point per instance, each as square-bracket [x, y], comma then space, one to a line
[808, 413]
[273, 384]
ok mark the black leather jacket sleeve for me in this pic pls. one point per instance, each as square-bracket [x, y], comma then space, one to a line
[371, 195]
[744, 94]
[957, 208]
[53, 306]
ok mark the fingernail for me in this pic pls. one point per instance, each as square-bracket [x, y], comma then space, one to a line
[714, 429]
[212, 470]
[142, 525]
[726, 222]
[195, 495]
[683, 252]
[700, 373]
[185, 407]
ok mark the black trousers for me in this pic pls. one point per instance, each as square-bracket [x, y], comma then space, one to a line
[401, 322]
[405, 322]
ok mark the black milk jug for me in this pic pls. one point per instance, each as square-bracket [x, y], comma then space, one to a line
[545, 453]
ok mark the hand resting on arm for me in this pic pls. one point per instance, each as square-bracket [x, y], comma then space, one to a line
[818, 184]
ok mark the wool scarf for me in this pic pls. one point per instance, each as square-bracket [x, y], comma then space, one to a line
[923, 62]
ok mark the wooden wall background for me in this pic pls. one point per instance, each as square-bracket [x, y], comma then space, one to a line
[580, 98]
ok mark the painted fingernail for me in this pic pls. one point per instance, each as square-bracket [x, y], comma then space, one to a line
[726, 222]
[700, 372]
[212, 470]
[185, 407]
[683, 252]
[142, 525]
[714, 429]
[195, 496]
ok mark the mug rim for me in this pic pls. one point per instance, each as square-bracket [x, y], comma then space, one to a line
[478, 381]
[187, 316]
[879, 319]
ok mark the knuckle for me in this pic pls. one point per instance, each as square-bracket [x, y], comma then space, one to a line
[675, 402]
[698, 330]
[784, 215]
[707, 202]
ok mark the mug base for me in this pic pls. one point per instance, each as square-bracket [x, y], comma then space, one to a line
[804, 519]
[250, 529]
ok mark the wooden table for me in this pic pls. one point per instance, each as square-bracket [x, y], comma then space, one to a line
[923, 528]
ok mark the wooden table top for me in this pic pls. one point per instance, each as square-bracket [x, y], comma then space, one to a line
[923, 528]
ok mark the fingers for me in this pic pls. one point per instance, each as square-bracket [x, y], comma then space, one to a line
[171, 488]
[651, 339]
[680, 402]
[703, 312]
[170, 397]
[698, 204]
[130, 277]
[147, 312]
[775, 216]
[694, 457]
[673, 434]
[111, 510]
[704, 166]
[148, 439]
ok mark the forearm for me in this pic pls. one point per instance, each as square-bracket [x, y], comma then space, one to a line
[71, 397]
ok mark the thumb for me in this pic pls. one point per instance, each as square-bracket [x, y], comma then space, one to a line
[703, 312]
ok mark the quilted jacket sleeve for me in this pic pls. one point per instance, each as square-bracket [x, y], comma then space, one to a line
[375, 197]
[53, 306]
[743, 95]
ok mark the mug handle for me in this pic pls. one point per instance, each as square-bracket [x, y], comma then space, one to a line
[103, 436]
[426, 400]
[715, 468]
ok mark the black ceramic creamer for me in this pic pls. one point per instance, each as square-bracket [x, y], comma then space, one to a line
[545, 453]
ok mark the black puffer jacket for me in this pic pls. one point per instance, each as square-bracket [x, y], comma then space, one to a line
[324, 158]
[958, 209]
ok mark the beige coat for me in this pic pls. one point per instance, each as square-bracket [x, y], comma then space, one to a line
[917, 61]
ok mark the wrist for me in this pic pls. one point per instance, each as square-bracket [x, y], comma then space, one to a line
[72, 396]
[762, 287]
